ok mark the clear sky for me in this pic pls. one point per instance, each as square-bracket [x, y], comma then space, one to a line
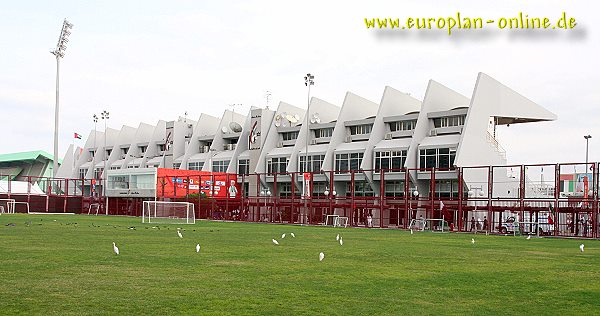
[150, 60]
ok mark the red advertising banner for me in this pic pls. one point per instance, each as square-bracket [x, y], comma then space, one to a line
[173, 183]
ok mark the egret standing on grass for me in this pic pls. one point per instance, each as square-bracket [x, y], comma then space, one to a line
[197, 247]
[581, 247]
[275, 242]
[179, 234]
[282, 235]
[472, 241]
[116, 249]
[337, 237]
[293, 235]
[321, 256]
[528, 237]
[341, 241]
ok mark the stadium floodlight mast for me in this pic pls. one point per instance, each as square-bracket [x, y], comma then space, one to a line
[95, 117]
[59, 52]
[267, 97]
[587, 142]
[309, 80]
[232, 106]
[105, 115]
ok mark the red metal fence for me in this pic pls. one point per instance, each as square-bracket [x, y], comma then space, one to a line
[483, 198]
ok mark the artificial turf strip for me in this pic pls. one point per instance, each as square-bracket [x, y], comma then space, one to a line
[50, 265]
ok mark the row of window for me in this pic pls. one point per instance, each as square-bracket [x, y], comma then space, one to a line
[394, 159]
[345, 162]
[277, 165]
[244, 166]
[195, 165]
[220, 165]
[324, 132]
[315, 162]
[361, 129]
[407, 125]
[443, 188]
[449, 121]
[290, 135]
[442, 158]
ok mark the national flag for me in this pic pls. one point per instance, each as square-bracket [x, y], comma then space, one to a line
[550, 213]
[78, 136]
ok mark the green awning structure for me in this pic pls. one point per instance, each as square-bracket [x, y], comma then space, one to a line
[11, 172]
[26, 155]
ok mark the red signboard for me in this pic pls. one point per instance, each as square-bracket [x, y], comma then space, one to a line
[172, 183]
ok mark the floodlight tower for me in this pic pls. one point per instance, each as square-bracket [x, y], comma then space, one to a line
[268, 97]
[105, 115]
[309, 80]
[587, 141]
[59, 52]
[95, 117]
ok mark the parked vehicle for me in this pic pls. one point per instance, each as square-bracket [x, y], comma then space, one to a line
[509, 226]
[544, 225]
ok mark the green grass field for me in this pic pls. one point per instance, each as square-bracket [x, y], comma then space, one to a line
[54, 266]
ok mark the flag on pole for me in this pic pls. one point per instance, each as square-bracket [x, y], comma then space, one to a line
[78, 136]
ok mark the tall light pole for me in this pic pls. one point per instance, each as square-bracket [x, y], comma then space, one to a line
[268, 97]
[95, 123]
[587, 141]
[59, 52]
[309, 80]
[105, 116]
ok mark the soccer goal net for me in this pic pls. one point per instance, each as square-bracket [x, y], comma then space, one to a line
[7, 206]
[340, 221]
[19, 207]
[429, 224]
[159, 212]
[93, 209]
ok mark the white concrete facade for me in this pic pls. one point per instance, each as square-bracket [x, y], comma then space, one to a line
[444, 130]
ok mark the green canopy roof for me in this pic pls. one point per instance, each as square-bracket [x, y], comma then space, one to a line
[26, 155]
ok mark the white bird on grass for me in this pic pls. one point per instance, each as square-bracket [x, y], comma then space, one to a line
[581, 247]
[411, 232]
[115, 249]
[282, 235]
[293, 235]
[337, 237]
[528, 237]
[179, 234]
[472, 241]
[197, 247]
[321, 256]
[275, 242]
[341, 241]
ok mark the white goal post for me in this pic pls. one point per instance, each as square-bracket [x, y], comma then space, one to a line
[161, 212]
[340, 221]
[333, 219]
[7, 206]
[430, 224]
[10, 206]
[93, 209]
[14, 204]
